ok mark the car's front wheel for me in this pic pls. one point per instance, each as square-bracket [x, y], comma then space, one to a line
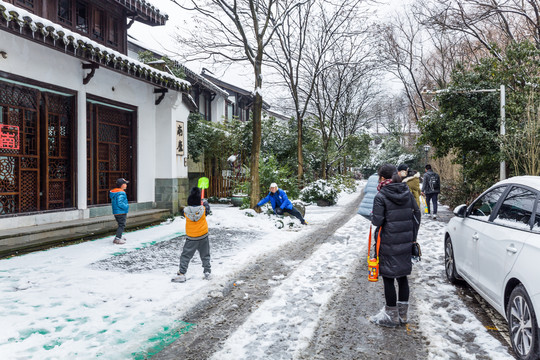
[522, 324]
[449, 262]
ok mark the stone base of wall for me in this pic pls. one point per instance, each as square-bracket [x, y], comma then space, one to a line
[171, 194]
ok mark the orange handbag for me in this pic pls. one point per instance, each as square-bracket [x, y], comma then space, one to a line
[373, 263]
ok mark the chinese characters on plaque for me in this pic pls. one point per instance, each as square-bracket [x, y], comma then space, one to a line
[9, 137]
[179, 138]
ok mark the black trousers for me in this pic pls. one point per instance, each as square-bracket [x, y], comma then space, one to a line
[432, 198]
[121, 220]
[390, 290]
[292, 211]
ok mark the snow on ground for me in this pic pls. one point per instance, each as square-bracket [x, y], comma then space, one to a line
[285, 323]
[81, 301]
[452, 330]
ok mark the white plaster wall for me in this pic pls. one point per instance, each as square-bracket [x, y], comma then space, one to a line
[218, 109]
[34, 61]
[168, 113]
[165, 138]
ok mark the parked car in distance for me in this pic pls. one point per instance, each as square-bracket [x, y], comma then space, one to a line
[494, 245]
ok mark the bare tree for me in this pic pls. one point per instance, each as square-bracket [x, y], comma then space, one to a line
[402, 53]
[342, 92]
[487, 21]
[422, 57]
[298, 51]
[360, 91]
[237, 30]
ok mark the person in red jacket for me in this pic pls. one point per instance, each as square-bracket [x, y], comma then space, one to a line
[196, 236]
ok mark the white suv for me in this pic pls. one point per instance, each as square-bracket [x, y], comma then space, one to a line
[494, 245]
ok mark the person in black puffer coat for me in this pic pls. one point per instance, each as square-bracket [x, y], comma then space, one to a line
[397, 216]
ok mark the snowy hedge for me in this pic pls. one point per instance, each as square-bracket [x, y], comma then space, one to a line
[319, 190]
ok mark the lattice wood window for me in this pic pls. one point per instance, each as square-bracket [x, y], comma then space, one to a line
[65, 12]
[29, 5]
[110, 144]
[38, 174]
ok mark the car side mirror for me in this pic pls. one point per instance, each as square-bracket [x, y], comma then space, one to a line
[460, 211]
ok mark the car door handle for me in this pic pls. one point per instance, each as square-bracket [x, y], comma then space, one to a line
[511, 249]
[475, 237]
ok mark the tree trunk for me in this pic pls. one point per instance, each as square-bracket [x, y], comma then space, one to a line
[299, 147]
[256, 150]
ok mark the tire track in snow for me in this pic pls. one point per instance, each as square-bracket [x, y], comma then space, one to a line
[283, 326]
[224, 312]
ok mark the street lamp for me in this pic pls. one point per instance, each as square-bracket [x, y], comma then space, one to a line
[426, 149]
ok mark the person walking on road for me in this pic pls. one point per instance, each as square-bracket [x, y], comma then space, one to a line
[370, 190]
[431, 187]
[397, 216]
[412, 179]
[120, 209]
[280, 203]
[196, 236]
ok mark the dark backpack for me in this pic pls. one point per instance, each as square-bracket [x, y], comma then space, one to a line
[435, 182]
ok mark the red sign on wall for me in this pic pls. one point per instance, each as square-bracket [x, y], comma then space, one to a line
[9, 137]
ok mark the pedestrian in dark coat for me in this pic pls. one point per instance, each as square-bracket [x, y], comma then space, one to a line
[431, 187]
[397, 216]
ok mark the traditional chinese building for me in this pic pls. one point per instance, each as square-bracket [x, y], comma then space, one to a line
[76, 113]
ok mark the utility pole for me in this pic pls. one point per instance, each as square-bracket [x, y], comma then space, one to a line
[503, 129]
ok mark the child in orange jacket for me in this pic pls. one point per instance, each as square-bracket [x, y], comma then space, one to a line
[196, 236]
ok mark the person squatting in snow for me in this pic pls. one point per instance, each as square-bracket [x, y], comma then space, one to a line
[196, 236]
[397, 216]
[280, 203]
[120, 209]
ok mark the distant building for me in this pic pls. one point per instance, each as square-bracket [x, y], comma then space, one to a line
[239, 102]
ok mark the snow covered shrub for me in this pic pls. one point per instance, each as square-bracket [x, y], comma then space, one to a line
[271, 171]
[343, 183]
[319, 190]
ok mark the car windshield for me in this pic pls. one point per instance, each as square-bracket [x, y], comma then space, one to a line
[482, 208]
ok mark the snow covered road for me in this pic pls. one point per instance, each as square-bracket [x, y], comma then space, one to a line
[299, 293]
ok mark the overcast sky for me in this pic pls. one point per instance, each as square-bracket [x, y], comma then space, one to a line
[160, 38]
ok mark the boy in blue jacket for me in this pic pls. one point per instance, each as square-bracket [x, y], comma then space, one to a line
[281, 203]
[120, 208]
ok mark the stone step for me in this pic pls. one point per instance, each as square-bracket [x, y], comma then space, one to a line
[40, 236]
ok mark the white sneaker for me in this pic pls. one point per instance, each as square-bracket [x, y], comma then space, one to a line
[207, 276]
[179, 279]
[434, 217]
[119, 241]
